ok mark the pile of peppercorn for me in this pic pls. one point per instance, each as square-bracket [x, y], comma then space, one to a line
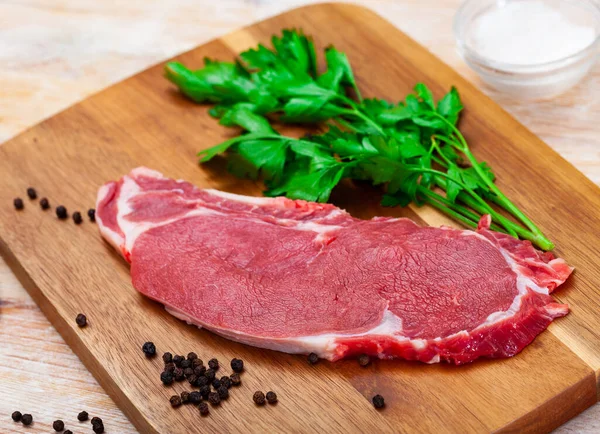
[211, 388]
[61, 211]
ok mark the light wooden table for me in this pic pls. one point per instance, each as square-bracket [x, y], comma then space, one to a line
[54, 53]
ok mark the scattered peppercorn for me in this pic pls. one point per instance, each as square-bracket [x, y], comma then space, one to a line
[27, 419]
[214, 398]
[16, 416]
[378, 401]
[188, 372]
[185, 397]
[192, 356]
[61, 212]
[313, 358]
[226, 381]
[271, 397]
[31, 193]
[44, 203]
[185, 364]
[195, 397]
[199, 370]
[237, 365]
[259, 398]
[83, 416]
[210, 374]
[204, 391]
[96, 420]
[203, 408]
[364, 360]
[68, 432]
[166, 377]
[81, 320]
[98, 428]
[149, 349]
[167, 357]
[175, 401]
[58, 425]
[178, 374]
[223, 392]
[213, 364]
[197, 362]
[216, 384]
[170, 367]
[92, 214]
[18, 203]
[177, 359]
[235, 379]
[77, 217]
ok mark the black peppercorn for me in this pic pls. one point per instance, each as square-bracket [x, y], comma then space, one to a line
[83, 416]
[378, 401]
[237, 365]
[18, 203]
[223, 392]
[81, 320]
[31, 193]
[167, 357]
[213, 364]
[44, 203]
[58, 425]
[68, 431]
[167, 378]
[199, 370]
[203, 407]
[197, 362]
[195, 397]
[192, 379]
[226, 381]
[213, 398]
[313, 358]
[271, 397]
[258, 398]
[177, 359]
[192, 356]
[27, 419]
[364, 360]
[188, 372]
[92, 214]
[77, 217]
[16, 416]
[96, 420]
[204, 391]
[185, 364]
[210, 374]
[170, 367]
[201, 380]
[149, 349]
[216, 384]
[98, 428]
[235, 379]
[185, 397]
[61, 212]
[178, 374]
[175, 400]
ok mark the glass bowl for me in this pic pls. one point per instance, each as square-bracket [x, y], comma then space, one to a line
[532, 80]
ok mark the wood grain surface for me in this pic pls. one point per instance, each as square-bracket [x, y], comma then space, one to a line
[23, 326]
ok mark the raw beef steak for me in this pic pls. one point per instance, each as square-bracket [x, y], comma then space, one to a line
[304, 277]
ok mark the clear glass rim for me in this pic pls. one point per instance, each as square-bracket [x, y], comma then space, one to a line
[472, 55]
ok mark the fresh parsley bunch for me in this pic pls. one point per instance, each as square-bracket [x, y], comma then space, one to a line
[413, 148]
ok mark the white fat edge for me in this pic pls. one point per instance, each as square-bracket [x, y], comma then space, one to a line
[114, 238]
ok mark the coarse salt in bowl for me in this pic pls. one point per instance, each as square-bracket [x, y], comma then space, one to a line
[531, 49]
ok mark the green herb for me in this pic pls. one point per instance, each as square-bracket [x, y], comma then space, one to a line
[412, 148]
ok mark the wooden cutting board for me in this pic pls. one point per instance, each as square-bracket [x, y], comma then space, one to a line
[143, 121]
